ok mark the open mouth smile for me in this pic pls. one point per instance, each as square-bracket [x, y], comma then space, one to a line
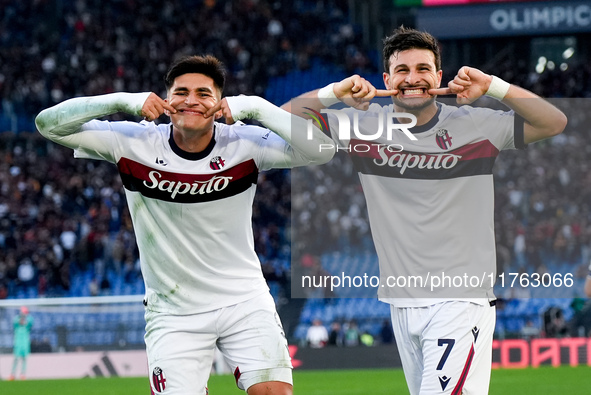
[414, 92]
[191, 112]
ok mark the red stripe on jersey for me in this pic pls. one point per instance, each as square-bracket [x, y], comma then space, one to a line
[186, 188]
[460, 385]
[380, 160]
[480, 149]
[142, 172]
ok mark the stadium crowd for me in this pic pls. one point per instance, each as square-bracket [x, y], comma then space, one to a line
[55, 223]
[53, 51]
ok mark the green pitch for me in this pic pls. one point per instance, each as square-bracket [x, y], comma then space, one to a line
[548, 381]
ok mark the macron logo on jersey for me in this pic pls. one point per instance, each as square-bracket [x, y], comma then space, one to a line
[186, 188]
[444, 381]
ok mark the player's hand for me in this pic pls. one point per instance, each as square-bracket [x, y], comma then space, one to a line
[469, 84]
[223, 109]
[357, 92]
[154, 106]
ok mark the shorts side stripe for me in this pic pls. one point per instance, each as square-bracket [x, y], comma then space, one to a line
[237, 374]
[460, 385]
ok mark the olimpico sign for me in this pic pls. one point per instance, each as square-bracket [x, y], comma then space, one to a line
[505, 19]
[534, 18]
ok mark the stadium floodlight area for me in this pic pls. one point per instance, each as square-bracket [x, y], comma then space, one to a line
[77, 324]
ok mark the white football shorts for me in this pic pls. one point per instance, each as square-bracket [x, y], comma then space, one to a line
[249, 334]
[445, 348]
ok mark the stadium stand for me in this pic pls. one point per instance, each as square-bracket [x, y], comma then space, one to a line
[64, 227]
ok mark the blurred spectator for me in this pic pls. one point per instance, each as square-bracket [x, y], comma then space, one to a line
[366, 339]
[93, 287]
[317, 335]
[335, 337]
[26, 272]
[519, 248]
[68, 239]
[554, 323]
[105, 287]
[581, 322]
[352, 334]
[386, 332]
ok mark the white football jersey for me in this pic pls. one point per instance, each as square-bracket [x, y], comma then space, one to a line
[191, 211]
[431, 202]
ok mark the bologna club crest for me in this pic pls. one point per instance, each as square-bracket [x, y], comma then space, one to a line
[158, 380]
[443, 139]
[216, 163]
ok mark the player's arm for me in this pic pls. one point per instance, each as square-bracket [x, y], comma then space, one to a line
[292, 129]
[354, 91]
[63, 122]
[542, 119]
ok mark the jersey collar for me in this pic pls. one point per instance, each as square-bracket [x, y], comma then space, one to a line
[192, 155]
[432, 122]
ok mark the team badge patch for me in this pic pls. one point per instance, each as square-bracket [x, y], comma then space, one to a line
[443, 139]
[158, 379]
[216, 163]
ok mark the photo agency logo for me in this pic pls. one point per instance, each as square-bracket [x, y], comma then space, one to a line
[389, 122]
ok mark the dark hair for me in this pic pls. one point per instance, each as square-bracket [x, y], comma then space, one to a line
[403, 39]
[207, 65]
